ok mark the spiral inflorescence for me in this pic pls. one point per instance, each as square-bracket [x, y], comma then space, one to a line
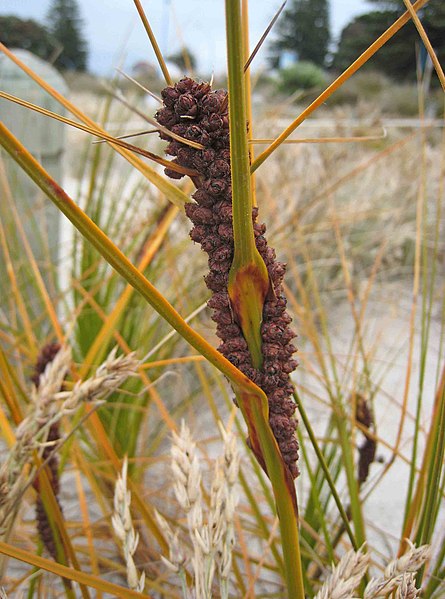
[196, 113]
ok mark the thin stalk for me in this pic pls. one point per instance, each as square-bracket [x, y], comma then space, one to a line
[153, 42]
[248, 277]
[239, 147]
[325, 468]
[426, 42]
[248, 287]
[248, 92]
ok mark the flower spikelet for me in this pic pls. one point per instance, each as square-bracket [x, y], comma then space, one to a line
[123, 527]
[396, 570]
[407, 588]
[211, 531]
[345, 577]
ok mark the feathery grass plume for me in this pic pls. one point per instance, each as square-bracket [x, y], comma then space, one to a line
[231, 461]
[195, 112]
[396, 570]
[187, 474]
[50, 457]
[345, 577]
[107, 378]
[123, 527]
[211, 533]
[3, 594]
[32, 432]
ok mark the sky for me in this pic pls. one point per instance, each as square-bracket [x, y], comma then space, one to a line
[113, 29]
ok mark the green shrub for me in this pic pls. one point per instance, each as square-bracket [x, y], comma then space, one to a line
[302, 75]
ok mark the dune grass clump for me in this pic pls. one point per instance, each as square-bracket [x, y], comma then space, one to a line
[128, 280]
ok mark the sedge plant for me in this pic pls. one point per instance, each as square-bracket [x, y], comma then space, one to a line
[107, 311]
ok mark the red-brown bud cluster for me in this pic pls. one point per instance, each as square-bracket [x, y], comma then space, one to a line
[367, 450]
[47, 355]
[195, 112]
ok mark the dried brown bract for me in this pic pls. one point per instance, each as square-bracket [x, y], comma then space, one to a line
[367, 450]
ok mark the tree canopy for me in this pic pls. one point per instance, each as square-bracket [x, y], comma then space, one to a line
[27, 35]
[66, 25]
[397, 58]
[303, 29]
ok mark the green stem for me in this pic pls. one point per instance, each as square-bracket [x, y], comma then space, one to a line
[239, 148]
[248, 287]
[326, 471]
[248, 277]
[260, 433]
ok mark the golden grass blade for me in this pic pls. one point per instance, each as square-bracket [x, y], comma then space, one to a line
[263, 37]
[128, 135]
[144, 89]
[172, 361]
[153, 42]
[8, 391]
[355, 66]
[86, 522]
[109, 138]
[426, 42]
[69, 573]
[173, 193]
[32, 262]
[320, 140]
[6, 429]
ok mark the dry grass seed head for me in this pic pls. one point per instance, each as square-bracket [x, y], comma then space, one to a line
[407, 588]
[46, 410]
[396, 570]
[123, 527]
[345, 577]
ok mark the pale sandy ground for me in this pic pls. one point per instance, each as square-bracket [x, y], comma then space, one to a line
[386, 336]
